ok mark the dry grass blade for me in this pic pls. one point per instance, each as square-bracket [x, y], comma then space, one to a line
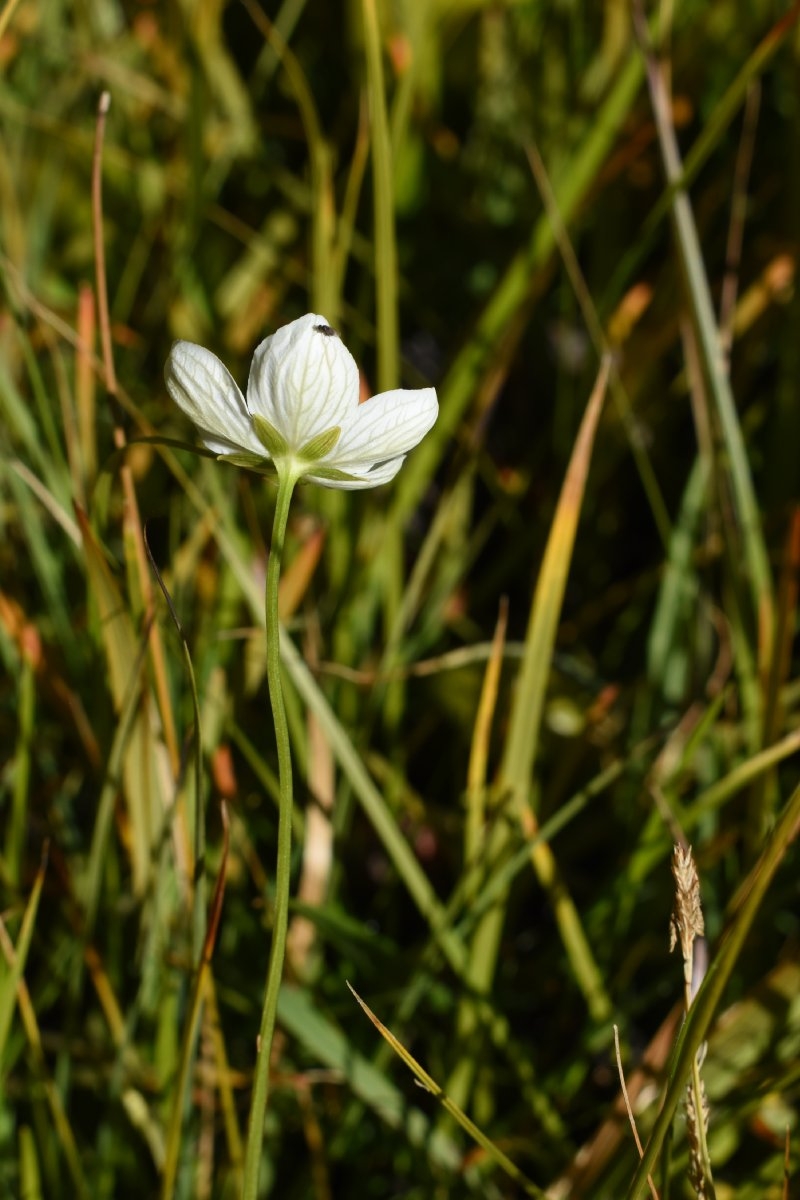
[629, 1110]
[702, 313]
[524, 726]
[422, 1076]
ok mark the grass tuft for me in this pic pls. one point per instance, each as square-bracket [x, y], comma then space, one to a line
[563, 641]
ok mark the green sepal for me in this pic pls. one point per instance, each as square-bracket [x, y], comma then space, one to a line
[321, 445]
[332, 473]
[252, 462]
[274, 443]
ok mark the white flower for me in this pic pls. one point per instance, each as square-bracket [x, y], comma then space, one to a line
[301, 413]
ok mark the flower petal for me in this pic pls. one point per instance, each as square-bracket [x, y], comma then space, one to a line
[199, 384]
[303, 380]
[361, 477]
[387, 425]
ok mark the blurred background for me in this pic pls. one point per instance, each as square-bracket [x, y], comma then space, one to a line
[474, 195]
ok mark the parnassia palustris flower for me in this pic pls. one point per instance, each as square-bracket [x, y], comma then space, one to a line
[301, 414]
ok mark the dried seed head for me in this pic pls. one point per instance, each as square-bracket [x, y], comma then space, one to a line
[697, 1176]
[686, 923]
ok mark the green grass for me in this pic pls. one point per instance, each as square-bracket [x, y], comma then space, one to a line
[565, 636]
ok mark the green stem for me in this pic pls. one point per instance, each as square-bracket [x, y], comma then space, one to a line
[702, 1141]
[258, 1104]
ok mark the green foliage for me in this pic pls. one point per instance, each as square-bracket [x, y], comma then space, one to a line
[486, 798]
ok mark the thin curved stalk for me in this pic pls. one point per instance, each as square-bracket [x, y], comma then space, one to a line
[258, 1104]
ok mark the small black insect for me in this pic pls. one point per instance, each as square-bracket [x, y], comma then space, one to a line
[326, 330]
